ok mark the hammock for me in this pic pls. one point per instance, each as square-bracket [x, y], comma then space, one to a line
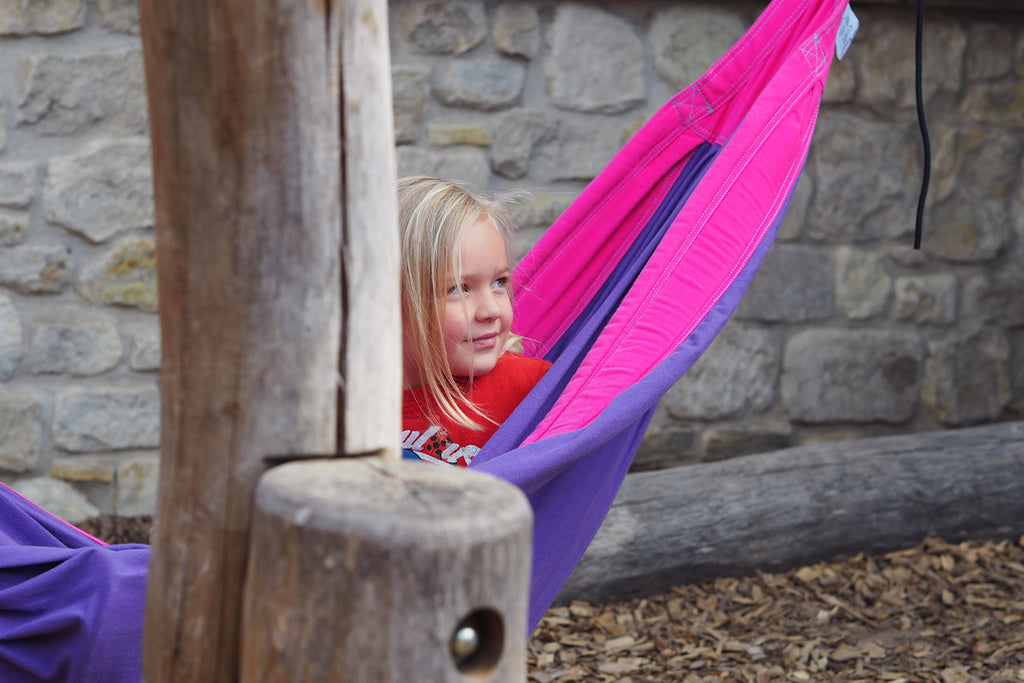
[648, 264]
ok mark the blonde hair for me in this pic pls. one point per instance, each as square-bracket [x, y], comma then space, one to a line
[433, 216]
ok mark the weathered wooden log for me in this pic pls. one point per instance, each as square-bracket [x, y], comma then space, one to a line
[245, 138]
[383, 571]
[370, 408]
[781, 510]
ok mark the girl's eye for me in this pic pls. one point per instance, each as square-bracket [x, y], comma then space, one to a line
[501, 282]
[456, 289]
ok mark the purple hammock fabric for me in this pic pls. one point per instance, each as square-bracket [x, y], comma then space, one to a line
[648, 264]
[71, 608]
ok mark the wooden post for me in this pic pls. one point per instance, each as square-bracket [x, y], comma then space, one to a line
[373, 570]
[366, 569]
[244, 122]
[370, 414]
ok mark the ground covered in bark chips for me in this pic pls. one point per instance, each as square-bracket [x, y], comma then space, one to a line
[935, 613]
[113, 529]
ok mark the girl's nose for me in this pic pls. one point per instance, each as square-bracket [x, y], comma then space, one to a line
[487, 307]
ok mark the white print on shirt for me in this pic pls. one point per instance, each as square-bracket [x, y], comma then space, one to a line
[410, 435]
[451, 454]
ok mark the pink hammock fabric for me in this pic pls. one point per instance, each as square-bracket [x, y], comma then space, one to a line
[760, 103]
[647, 264]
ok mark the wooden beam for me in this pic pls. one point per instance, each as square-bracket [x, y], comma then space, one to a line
[793, 507]
[370, 412]
[244, 123]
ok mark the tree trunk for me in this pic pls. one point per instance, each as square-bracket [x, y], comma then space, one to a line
[365, 569]
[792, 507]
[245, 126]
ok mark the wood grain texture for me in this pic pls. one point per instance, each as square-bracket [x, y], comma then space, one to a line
[244, 128]
[362, 569]
[784, 509]
[372, 367]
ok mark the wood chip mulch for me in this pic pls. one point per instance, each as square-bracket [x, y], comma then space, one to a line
[115, 529]
[935, 613]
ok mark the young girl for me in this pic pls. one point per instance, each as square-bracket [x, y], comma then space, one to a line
[462, 376]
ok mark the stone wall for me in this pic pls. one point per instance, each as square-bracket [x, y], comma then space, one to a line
[846, 332]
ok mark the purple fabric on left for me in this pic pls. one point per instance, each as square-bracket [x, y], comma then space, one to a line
[71, 607]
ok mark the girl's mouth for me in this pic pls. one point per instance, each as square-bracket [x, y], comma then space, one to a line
[487, 341]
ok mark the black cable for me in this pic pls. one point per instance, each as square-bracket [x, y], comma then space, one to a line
[926, 176]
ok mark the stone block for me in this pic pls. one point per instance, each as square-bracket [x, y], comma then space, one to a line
[13, 229]
[17, 181]
[411, 94]
[441, 135]
[99, 468]
[466, 164]
[516, 30]
[574, 150]
[441, 27]
[25, 17]
[512, 143]
[10, 338]
[841, 86]
[839, 375]
[36, 268]
[736, 375]
[484, 84]
[795, 284]
[967, 377]
[74, 343]
[525, 240]
[796, 213]
[731, 441]
[137, 485]
[143, 345]
[3, 126]
[926, 299]
[887, 67]
[96, 419]
[991, 52]
[121, 16]
[123, 276]
[996, 298]
[57, 497]
[20, 432]
[65, 95]
[860, 168]
[104, 189]
[667, 447]
[595, 61]
[862, 283]
[969, 220]
[994, 103]
[547, 207]
[905, 254]
[687, 39]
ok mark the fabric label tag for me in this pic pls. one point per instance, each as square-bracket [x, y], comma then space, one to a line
[847, 30]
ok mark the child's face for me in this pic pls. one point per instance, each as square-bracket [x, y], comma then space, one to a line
[478, 307]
